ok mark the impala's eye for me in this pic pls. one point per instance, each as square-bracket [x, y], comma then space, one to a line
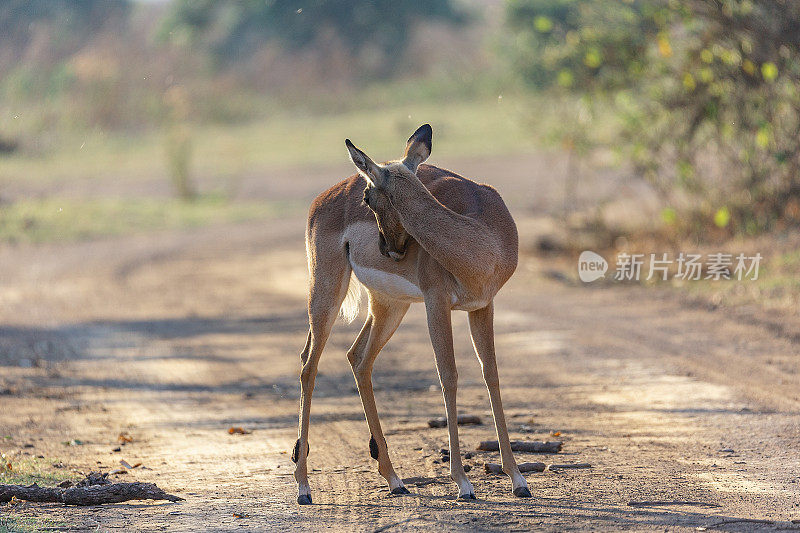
[366, 197]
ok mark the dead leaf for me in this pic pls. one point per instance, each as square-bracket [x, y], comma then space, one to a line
[238, 430]
[124, 438]
[555, 434]
[118, 471]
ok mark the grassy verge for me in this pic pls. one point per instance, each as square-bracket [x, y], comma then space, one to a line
[777, 287]
[27, 470]
[490, 125]
[57, 220]
[30, 524]
[221, 154]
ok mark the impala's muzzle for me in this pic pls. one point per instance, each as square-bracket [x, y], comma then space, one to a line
[392, 252]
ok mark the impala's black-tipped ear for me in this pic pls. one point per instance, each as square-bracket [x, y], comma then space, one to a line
[366, 167]
[419, 147]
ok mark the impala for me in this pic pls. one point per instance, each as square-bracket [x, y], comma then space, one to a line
[440, 239]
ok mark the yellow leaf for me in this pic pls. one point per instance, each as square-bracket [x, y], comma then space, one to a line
[769, 71]
[763, 136]
[722, 217]
[542, 24]
[593, 59]
[688, 82]
[565, 78]
[664, 48]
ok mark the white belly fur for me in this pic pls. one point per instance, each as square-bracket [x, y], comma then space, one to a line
[388, 284]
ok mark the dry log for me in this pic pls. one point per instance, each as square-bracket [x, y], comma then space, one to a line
[523, 446]
[569, 465]
[741, 521]
[91, 495]
[657, 503]
[493, 468]
[463, 420]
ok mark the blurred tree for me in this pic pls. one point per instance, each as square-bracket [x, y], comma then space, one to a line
[45, 53]
[234, 29]
[581, 44]
[18, 19]
[709, 92]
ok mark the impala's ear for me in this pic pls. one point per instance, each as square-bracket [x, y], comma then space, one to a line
[418, 148]
[366, 167]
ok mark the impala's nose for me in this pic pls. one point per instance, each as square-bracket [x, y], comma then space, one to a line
[382, 247]
[386, 251]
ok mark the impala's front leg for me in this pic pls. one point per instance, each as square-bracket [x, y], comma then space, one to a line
[481, 324]
[441, 333]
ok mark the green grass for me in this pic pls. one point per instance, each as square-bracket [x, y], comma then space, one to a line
[26, 471]
[476, 127]
[28, 524]
[221, 154]
[29, 470]
[777, 286]
[57, 220]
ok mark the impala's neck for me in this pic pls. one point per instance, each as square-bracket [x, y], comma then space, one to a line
[461, 244]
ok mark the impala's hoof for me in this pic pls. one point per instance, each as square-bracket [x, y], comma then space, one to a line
[304, 499]
[522, 492]
[400, 490]
[468, 496]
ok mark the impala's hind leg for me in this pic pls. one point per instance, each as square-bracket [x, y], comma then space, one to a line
[481, 323]
[380, 326]
[330, 277]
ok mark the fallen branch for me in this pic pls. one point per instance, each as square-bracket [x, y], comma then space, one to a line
[569, 465]
[463, 420]
[740, 521]
[665, 502]
[493, 468]
[91, 495]
[523, 446]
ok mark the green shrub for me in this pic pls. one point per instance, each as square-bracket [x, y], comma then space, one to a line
[707, 93]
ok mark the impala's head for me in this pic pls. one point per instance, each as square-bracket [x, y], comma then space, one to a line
[381, 180]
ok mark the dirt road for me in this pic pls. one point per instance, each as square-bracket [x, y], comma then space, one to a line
[174, 338]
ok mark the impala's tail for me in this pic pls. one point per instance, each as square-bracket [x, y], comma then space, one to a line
[352, 302]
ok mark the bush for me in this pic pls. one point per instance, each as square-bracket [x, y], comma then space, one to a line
[707, 91]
